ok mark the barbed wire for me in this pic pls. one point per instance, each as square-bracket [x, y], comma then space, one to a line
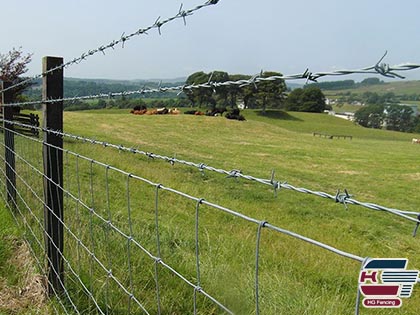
[182, 14]
[379, 68]
[340, 197]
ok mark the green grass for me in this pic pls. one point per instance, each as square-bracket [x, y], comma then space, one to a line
[8, 232]
[19, 294]
[295, 277]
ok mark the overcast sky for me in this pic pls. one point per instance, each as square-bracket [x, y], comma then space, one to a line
[237, 36]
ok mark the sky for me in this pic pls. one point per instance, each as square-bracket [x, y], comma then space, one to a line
[237, 36]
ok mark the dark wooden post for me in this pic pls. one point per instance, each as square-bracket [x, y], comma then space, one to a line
[9, 142]
[52, 88]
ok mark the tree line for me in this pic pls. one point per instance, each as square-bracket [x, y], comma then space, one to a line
[265, 94]
[391, 117]
[346, 84]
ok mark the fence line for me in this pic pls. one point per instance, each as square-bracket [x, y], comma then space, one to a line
[340, 197]
[118, 278]
[111, 226]
[182, 14]
[378, 69]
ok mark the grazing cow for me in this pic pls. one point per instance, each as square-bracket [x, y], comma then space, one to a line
[139, 112]
[216, 111]
[162, 111]
[174, 111]
[414, 141]
[235, 114]
[152, 112]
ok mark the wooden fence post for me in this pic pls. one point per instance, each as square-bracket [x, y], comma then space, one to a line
[9, 142]
[52, 88]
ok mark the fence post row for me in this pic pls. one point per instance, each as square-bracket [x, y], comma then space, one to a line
[9, 142]
[52, 88]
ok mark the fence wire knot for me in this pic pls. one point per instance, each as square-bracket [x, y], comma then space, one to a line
[263, 224]
[201, 168]
[342, 197]
[158, 260]
[172, 161]
[234, 174]
[276, 184]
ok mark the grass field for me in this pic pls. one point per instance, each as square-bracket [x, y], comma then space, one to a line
[295, 278]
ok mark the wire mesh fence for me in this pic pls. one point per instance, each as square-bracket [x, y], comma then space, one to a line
[109, 241]
[134, 246]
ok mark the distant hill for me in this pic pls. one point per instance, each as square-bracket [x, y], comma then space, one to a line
[83, 87]
[130, 82]
[398, 87]
[348, 92]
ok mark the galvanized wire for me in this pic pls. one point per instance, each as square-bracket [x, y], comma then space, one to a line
[158, 24]
[340, 197]
[129, 238]
[156, 259]
[377, 69]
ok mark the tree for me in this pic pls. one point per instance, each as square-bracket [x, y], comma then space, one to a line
[12, 66]
[371, 81]
[270, 93]
[235, 91]
[199, 96]
[371, 98]
[310, 99]
[222, 92]
[313, 100]
[294, 100]
[400, 118]
[370, 116]
[267, 93]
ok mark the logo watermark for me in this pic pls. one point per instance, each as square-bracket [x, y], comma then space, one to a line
[384, 281]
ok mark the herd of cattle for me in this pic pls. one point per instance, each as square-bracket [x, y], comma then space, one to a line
[142, 110]
[231, 114]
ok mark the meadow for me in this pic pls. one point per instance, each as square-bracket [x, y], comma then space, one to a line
[295, 277]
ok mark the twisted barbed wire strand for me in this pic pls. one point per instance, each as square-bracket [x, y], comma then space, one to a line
[378, 69]
[182, 14]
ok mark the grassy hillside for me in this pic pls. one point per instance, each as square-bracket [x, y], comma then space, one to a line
[404, 92]
[295, 278]
[400, 87]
